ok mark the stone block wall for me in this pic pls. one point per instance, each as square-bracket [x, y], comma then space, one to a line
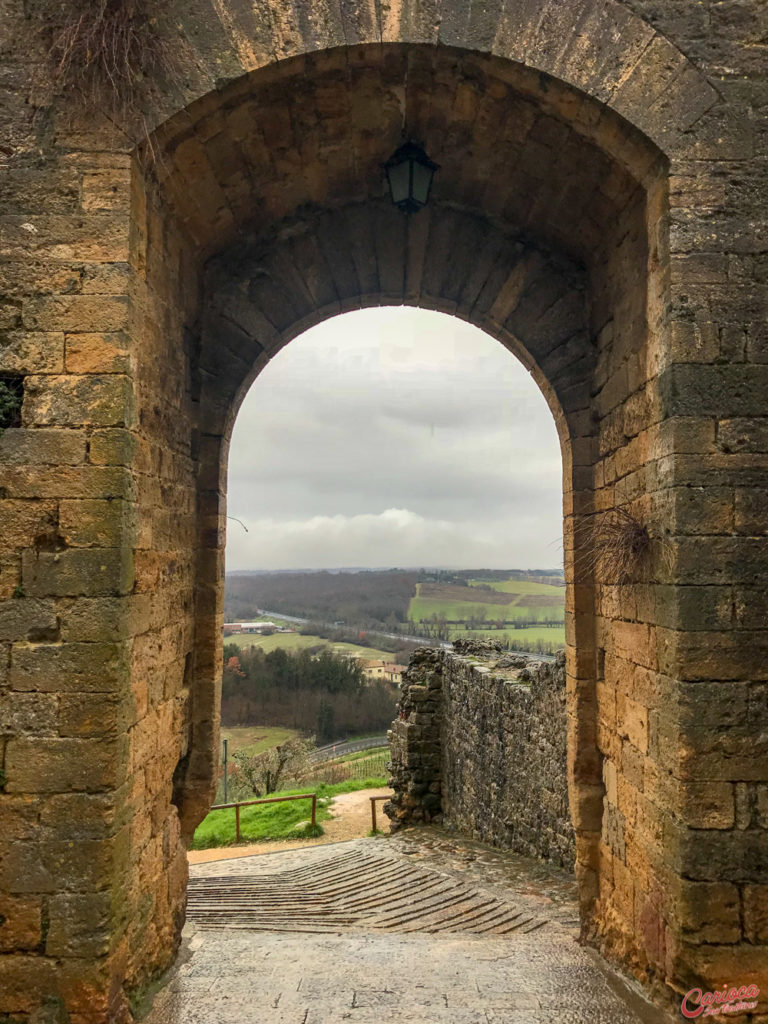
[481, 746]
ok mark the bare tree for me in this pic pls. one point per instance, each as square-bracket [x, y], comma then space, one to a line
[266, 771]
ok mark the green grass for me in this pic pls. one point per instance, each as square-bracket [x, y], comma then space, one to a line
[254, 739]
[299, 642]
[276, 821]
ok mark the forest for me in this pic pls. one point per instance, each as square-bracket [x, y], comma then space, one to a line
[319, 693]
[366, 599]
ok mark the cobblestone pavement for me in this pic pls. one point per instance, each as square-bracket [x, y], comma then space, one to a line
[295, 971]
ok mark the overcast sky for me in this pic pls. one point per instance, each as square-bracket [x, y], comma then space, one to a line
[394, 437]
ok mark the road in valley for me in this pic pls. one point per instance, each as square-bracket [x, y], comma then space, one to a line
[340, 749]
[424, 641]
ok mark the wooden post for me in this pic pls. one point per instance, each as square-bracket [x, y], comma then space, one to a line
[237, 823]
[314, 809]
[226, 769]
[373, 813]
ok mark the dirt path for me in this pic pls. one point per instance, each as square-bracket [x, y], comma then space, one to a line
[351, 820]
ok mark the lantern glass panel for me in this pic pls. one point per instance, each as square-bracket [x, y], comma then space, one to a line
[422, 180]
[400, 181]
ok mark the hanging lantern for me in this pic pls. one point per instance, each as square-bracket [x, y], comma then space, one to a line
[410, 173]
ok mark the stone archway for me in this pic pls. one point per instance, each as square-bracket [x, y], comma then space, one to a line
[562, 131]
[539, 265]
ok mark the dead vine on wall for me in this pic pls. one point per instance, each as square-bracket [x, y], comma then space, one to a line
[110, 52]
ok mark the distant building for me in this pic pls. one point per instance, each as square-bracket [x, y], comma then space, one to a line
[231, 628]
[395, 672]
[387, 671]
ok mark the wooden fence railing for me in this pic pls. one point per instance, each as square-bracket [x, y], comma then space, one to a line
[267, 800]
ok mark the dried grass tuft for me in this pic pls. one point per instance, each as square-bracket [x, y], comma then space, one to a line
[616, 543]
[108, 51]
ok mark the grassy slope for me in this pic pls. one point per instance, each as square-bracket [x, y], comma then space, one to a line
[254, 739]
[275, 821]
[298, 642]
[360, 755]
[365, 762]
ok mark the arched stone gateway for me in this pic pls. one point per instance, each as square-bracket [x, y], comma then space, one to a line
[601, 210]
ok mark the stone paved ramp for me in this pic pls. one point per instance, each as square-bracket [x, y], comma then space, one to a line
[353, 952]
[354, 889]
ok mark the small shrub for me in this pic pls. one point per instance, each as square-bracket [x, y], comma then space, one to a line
[616, 541]
[11, 400]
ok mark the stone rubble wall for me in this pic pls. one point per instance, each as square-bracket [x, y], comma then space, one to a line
[414, 743]
[481, 746]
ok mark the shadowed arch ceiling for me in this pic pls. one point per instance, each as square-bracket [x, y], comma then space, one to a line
[261, 294]
[277, 180]
[515, 145]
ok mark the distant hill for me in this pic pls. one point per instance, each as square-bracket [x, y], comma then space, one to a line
[376, 598]
[365, 599]
[430, 569]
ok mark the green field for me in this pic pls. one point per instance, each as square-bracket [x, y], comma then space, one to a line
[276, 821]
[425, 607]
[530, 635]
[299, 642]
[530, 601]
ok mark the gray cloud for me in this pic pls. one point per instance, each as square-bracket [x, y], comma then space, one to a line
[394, 437]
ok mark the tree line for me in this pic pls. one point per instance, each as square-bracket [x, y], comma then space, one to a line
[365, 599]
[316, 692]
[401, 648]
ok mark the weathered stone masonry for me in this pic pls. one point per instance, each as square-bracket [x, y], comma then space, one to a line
[481, 746]
[601, 210]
